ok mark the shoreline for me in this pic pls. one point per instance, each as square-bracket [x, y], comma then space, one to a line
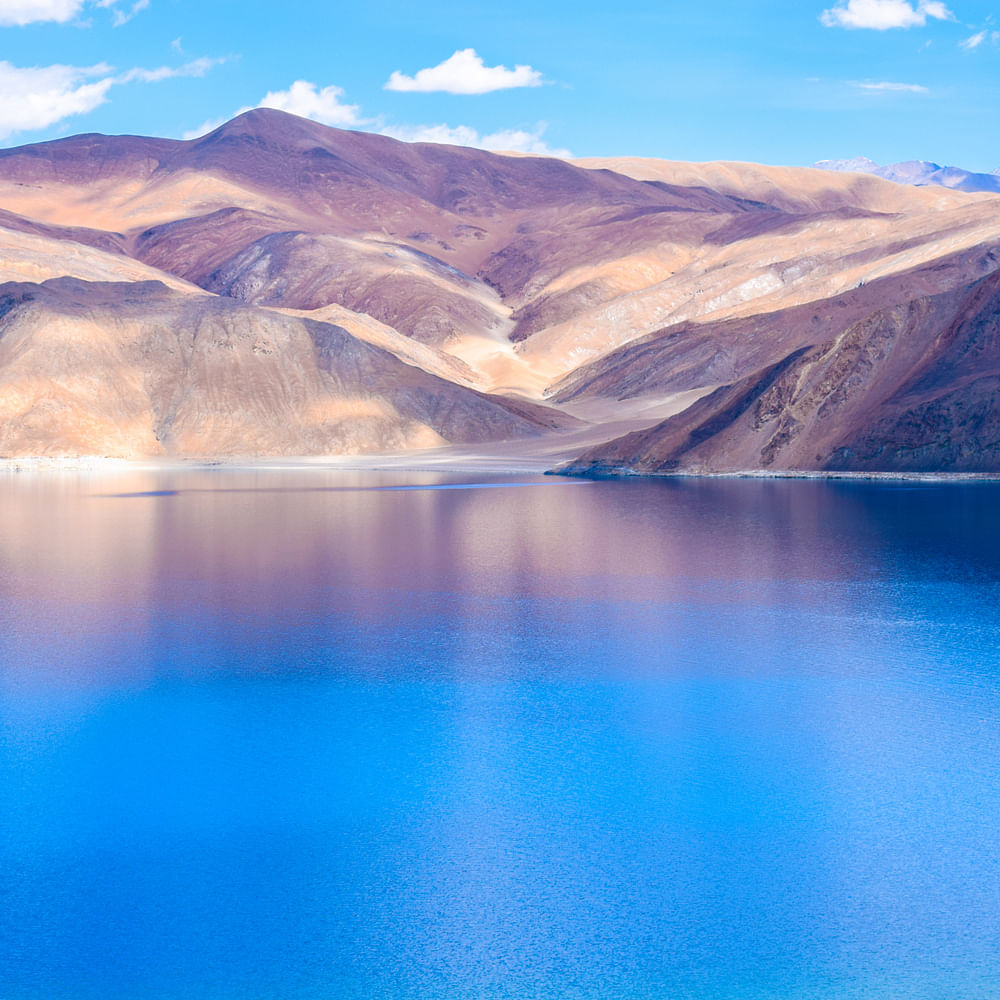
[347, 463]
[764, 474]
[452, 460]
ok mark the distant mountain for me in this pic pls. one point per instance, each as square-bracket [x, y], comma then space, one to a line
[918, 173]
[280, 287]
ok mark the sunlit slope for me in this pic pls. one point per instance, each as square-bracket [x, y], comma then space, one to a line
[138, 370]
[608, 289]
[552, 263]
[826, 235]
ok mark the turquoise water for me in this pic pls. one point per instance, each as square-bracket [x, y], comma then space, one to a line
[283, 735]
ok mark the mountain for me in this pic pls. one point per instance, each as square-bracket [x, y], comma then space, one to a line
[919, 172]
[909, 388]
[278, 287]
[139, 369]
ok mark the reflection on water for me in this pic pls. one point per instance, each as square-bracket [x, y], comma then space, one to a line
[403, 488]
[281, 734]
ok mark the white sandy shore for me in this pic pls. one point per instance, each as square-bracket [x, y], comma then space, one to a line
[531, 456]
[436, 460]
[525, 455]
[455, 460]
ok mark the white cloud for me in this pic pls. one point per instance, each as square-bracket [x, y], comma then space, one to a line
[881, 15]
[936, 9]
[897, 88]
[307, 101]
[325, 105]
[21, 12]
[302, 98]
[505, 140]
[41, 96]
[36, 97]
[974, 42]
[465, 73]
[120, 16]
[197, 67]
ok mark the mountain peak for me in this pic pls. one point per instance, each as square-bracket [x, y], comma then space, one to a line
[918, 173]
[269, 124]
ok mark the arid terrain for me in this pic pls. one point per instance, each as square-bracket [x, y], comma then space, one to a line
[280, 288]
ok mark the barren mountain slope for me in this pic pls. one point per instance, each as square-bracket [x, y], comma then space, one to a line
[791, 189]
[136, 369]
[707, 354]
[277, 210]
[445, 243]
[911, 387]
[29, 256]
[608, 295]
[739, 272]
[326, 179]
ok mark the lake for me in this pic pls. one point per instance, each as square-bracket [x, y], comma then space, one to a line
[291, 735]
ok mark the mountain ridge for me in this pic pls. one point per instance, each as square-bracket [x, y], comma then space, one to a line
[503, 296]
[919, 173]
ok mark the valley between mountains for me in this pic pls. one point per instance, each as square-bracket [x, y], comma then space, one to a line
[281, 288]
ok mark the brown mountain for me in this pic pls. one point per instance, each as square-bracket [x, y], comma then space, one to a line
[911, 387]
[491, 296]
[139, 369]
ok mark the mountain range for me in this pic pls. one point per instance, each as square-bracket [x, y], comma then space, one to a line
[919, 172]
[278, 287]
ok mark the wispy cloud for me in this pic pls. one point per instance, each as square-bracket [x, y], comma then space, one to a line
[464, 73]
[881, 15]
[974, 41]
[307, 100]
[890, 87]
[121, 16]
[197, 67]
[504, 140]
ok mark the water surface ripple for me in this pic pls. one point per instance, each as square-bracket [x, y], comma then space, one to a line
[284, 735]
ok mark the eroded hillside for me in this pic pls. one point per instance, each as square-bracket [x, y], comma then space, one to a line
[279, 287]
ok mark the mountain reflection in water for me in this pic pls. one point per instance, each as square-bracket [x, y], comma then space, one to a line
[310, 734]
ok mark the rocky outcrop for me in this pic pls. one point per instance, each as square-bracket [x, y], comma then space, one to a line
[909, 388]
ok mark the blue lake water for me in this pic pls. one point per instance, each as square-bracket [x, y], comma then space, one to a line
[279, 735]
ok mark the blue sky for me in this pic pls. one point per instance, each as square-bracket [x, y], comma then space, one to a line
[787, 82]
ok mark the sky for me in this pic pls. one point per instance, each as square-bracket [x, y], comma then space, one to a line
[783, 82]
